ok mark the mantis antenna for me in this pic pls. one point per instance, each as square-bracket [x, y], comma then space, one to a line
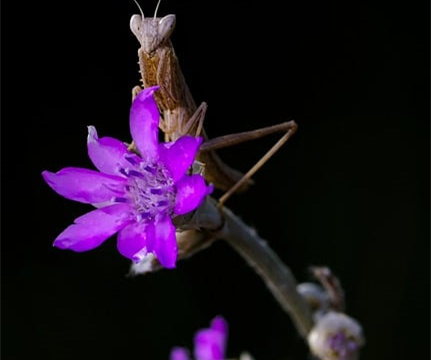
[157, 8]
[140, 9]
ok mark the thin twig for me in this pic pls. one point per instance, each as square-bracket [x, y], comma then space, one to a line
[276, 275]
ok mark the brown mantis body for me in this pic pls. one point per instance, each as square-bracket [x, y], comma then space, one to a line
[159, 66]
[180, 115]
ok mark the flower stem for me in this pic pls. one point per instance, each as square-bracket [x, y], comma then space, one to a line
[211, 222]
[276, 275]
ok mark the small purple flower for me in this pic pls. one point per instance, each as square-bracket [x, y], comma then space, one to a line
[136, 196]
[210, 343]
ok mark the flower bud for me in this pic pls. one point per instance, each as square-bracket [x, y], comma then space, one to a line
[245, 356]
[336, 336]
[315, 296]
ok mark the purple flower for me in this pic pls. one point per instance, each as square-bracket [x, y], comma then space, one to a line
[136, 196]
[210, 343]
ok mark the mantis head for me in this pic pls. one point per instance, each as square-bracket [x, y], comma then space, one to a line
[152, 32]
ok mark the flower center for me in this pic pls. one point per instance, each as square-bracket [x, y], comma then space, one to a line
[343, 345]
[150, 190]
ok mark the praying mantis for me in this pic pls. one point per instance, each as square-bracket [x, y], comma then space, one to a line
[180, 115]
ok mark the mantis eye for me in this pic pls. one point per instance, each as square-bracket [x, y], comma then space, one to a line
[166, 26]
[136, 25]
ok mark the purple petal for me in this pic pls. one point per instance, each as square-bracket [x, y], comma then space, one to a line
[107, 154]
[93, 228]
[210, 345]
[220, 324]
[165, 242]
[179, 353]
[179, 156]
[84, 185]
[191, 190]
[144, 124]
[133, 241]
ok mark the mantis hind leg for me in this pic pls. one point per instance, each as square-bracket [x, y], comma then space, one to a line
[290, 128]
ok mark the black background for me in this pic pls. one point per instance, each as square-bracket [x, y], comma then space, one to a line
[350, 190]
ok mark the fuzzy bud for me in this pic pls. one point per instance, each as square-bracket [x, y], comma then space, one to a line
[336, 336]
[316, 297]
[245, 356]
